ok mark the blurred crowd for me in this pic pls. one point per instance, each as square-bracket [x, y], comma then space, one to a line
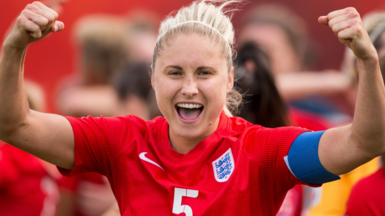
[274, 72]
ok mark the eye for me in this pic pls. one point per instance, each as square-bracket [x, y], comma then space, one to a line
[174, 73]
[204, 73]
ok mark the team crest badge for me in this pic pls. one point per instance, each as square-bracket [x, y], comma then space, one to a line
[224, 166]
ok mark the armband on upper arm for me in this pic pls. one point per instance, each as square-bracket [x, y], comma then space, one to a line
[303, 161]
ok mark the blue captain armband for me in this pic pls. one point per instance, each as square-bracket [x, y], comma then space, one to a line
[303, 160]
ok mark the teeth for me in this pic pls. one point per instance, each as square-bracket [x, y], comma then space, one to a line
[189, 106]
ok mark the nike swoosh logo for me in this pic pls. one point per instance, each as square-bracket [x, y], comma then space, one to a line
[143, 157]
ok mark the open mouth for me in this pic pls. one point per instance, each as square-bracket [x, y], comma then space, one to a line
[189, 111]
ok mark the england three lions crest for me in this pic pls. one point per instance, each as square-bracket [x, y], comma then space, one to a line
[224, 166]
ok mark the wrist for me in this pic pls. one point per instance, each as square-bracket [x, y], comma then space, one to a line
[9, 45]
[370, 61]
[370, 57]
[9, 48]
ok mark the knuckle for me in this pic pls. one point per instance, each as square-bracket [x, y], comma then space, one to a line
[333, 27]
[49, 18]
[352, 9]
[352, 22]
[37, 3]
[358, 29]
[45, 22]
[52, 18]
[29, 7]
[35, 28]
[353, 14]
[55, 14]
[26, 13]
[20, 20]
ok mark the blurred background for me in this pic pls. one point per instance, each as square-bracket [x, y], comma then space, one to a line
[55, 57]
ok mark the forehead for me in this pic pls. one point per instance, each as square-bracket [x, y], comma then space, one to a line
[191, 50]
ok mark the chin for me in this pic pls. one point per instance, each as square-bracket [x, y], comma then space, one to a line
[189, 132]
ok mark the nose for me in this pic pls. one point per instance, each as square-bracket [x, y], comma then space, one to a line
[190, 87]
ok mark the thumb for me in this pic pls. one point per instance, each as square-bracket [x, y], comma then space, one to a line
[57, 26]
[323, 20]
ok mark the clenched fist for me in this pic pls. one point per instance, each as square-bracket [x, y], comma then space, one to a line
[34, 23]
[348, 27]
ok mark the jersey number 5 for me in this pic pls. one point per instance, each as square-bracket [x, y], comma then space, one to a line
[177, 206]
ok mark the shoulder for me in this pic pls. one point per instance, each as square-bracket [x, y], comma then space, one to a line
[251, 132]
[121, 123]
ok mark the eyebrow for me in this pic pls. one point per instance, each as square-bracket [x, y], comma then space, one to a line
[206, 67]
[199, 68]
[175, 67]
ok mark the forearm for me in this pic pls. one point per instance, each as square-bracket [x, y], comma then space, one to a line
[301, 85]
[13, 100]
[368, 128]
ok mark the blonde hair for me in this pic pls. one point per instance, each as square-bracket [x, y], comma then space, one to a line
[103, 42]
[209, 18]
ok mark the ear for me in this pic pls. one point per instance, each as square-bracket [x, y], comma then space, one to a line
[152, 78]
[230, 83]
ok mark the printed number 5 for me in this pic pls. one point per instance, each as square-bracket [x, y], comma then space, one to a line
[177, 206]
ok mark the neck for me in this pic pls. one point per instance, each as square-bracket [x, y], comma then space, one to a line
[183, 145]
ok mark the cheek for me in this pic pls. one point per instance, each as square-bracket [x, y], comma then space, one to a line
[215, 90]
[165, 91]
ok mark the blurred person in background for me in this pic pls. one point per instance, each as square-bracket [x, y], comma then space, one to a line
[136, 96]
[368, 195]
[114, 80]
[332, 198]
[263, 105]
[28, 185]
[61, 133]
[108, 45]
[141, 31]
[103, 52]
[282, 35]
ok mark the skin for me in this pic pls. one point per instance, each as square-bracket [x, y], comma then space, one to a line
[50, 137]
[381, 52]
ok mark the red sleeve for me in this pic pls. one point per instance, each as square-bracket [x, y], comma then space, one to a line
[99, 140]
[269, 146]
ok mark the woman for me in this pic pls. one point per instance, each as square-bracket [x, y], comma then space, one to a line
[195, 160]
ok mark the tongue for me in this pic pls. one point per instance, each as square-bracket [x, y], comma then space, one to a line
[189, 114]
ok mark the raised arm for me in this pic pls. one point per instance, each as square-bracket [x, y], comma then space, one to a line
[46, 136]
[345, 148]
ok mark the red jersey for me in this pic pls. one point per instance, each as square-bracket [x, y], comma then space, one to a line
[91, 193]
[26, 188]
[367, 196]
[237, 170]
[308, 120]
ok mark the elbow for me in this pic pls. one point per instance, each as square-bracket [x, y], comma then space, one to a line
[370, 146]
[11, 127]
